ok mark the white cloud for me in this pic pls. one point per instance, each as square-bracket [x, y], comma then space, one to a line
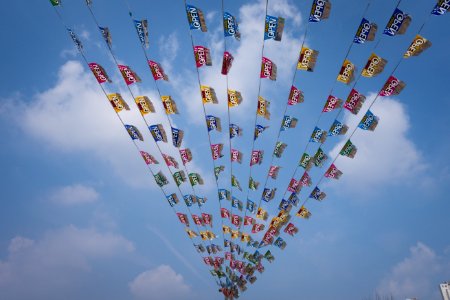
[74, 195]
[51, 266]
[74, 115]
[243, 75]
[385, 156]
[161, 283]
[414, 275]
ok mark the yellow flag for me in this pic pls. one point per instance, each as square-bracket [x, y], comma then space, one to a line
[117, 102]
[307, 59]
[234, 98]
[144, 104]
[418, 45]
[169, 105]
[191, 233]
[347, 72]
[208, 95]
[263, 108]
[374, 66]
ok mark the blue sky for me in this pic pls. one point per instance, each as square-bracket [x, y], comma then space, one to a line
[82, 217]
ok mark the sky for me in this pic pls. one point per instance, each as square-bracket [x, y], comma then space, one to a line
[82, 217]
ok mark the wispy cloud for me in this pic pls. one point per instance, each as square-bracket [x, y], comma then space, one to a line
[385, 156]
[75, 194]
[160, 283]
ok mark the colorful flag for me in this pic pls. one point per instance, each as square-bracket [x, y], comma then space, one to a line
[106, 36]
[354, 102]
[318, 136]
[223, 194]
[294, 186]
[217, 171]
[268, 194]
[337, 128]
[227, 61]
[303, 213]
[74, 37]
[366, 32]
[261, 214]
[288, 122]
[189, 199]
[179, 177]
[216, 150]
[172, 199]
[317, 194]
[256, 158]
[230, 26]
[258, 130]
[158, 133]
[235, 131]
[225, 213]
[186, 155]
[251, 206]
[195, 178]
[149, 159]
[293, 198]
[441, 7]
[273, 172]
[306, 161]
[157, 71]
[170, 161]
[144, 104]
[306, 179]
[273, 28]
[398, 23]
[374, 66]
[393, 86]
[134, 133]
[369, 121]
[142, 31]
[202, 56]
[208, 95]
[128, 75]
[196, 18]
[332, 103]
[263, 108]
[268, 69]
[307, 59]
[320, 10]
[169, 105]
[177, 137]
[295, 96]
[349, 149]
[291, 229]
[99, 73]
[160, 179]
[320, 157]
[183, 218]
[234, 98]
[117, 102]
[418, 45]
[279, 149]
[213, 123]
[333, 172]
[235, 182]
[236, 156]
[347, 72]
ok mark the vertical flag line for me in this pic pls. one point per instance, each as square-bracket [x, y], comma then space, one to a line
[209, 136]
[305, 201]
[160, 97]
[120, 119]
